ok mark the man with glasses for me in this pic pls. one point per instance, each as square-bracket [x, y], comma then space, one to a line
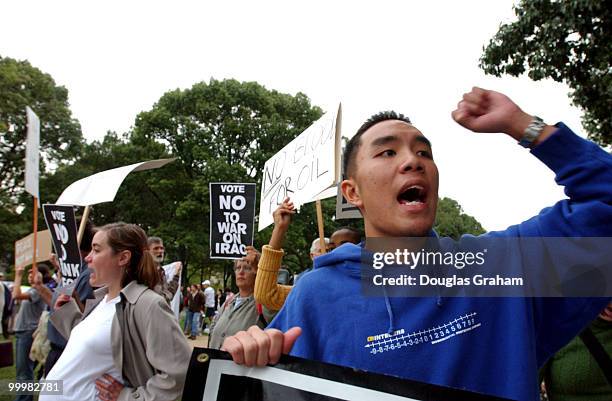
[240, 312]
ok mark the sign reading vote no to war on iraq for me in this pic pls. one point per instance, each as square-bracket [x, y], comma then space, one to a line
[232, 214]
[62, 225]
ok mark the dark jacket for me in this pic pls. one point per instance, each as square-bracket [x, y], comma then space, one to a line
[196, 302]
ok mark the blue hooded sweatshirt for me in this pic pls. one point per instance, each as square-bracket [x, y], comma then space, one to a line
[488, 345]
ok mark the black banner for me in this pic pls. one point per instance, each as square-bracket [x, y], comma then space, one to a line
[212, 376]
[62, 225]
[232, 214]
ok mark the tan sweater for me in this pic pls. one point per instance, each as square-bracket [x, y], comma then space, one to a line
[267, 291]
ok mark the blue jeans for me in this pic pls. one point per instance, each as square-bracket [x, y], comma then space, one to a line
[188, 319]
[195, 323]
[23, 363]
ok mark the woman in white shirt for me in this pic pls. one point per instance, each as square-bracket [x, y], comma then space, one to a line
[126, 344]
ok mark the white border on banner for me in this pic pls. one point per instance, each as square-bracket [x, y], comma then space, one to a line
[210, 211]
[299, 381]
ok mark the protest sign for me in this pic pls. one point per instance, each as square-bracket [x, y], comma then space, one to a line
[102, 187]
[32, 153]
[304, 169]
[232, 215]
[62, 225]
[170, 271]
[212, 376]
[24, 251]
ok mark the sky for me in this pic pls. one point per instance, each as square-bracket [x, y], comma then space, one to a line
[117, 58]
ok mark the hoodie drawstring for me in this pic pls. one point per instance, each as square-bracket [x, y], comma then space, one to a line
[389, 312]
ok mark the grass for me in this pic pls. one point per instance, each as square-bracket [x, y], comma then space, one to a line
[8, 373]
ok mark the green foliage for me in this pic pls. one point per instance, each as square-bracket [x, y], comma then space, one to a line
[452, 222]
[23, 85]
[569, 41]
[220, 131]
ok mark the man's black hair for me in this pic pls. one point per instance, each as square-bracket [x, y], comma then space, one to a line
[355, 233]
[353, 145]
[44, 271]
[88, 235]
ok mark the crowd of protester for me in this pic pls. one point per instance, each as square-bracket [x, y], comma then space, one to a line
[112, 334]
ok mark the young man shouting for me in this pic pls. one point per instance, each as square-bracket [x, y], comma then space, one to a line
[493, 345]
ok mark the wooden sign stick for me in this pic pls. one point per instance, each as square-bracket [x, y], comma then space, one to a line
[322, 245]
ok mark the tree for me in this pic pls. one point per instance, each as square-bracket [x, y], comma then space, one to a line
[23, 85]
[452, 222]
[221, 131]
[569, 41]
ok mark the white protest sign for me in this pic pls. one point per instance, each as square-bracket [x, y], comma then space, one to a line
[304, 169]
[32, 153]
[102, 187]
[170, 271]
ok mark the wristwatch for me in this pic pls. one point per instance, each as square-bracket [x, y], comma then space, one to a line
[533, 130]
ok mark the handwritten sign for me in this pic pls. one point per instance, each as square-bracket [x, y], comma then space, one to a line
[302, 170]
[62, 224]
[232, 215]
[23, 249]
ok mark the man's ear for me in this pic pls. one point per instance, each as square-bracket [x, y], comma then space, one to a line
[351, 192]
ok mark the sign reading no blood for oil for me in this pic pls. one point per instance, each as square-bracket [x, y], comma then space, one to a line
[305, 169]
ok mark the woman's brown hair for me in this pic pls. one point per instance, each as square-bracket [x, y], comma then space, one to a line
[130, 237]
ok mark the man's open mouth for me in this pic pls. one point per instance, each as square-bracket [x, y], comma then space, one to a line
[413, 195]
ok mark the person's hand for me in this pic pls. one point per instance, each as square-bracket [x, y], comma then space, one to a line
[61, 300]
[282, 215]
[257, 347]
[282, 218]
[54, 262]
[252, 256]
[108, 388]
[178, 268]
[483, 110]
[35, 279]
[19, 271]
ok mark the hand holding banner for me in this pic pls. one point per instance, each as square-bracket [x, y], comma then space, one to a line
[213, 376]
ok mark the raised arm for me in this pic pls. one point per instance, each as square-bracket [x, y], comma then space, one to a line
[580, 166]
[484, 110]
[267, 291]
[17, 293]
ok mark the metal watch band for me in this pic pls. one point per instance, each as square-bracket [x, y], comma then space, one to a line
[533, 130]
